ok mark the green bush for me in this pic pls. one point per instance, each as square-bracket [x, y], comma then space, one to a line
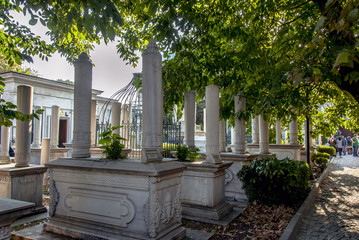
[327, 149]
[183, 152]
[320, 159]
[272, 181]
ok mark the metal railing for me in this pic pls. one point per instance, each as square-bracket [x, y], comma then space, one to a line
[133, 135]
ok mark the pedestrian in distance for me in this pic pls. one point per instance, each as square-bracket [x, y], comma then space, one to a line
[344, 140]
[355, 145]
[340, 146]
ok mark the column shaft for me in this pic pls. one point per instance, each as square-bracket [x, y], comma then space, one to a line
[5, 138]
[93, 122]
[23, 128]
[212, 119]
[37, 129]
[263, 136]
[189, 118]
[55, 121]
[240, 126]
[255, 129]
[82, 107]
[293, 132]
[152, 107]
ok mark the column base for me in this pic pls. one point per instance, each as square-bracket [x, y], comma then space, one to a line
[203, 191]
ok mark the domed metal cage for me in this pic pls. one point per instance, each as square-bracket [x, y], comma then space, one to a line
[130, 98]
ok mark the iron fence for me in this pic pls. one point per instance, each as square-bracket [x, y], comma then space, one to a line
[133, 135]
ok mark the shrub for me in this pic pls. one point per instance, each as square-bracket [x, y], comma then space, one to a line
[183, 152]
[327, 149]
[112, 143]
[272, 181]
[320, 159]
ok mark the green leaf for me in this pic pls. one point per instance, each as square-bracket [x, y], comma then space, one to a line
[33, 21]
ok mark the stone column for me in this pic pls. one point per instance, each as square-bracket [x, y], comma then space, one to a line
[293, 132]
[37, 129]
[116, 116]
[278, 131]
[5, 138]
[93, 122]
[82, 107]
[45, 157]
[263, 136]
[240, 126]
[212, 119]
[233, 136]
[152, 107]
[126, 121]
[222, 136]
[189, 118]
[255, 130]
[23, 128]
[204, 120]
[55, 120]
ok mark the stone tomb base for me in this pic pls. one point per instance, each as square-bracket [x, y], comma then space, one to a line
[233, 186]
[24, 184]
[203, 191]
[280, 150]
[115, 199]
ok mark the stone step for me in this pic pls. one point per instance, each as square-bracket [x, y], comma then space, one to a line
[36, 233]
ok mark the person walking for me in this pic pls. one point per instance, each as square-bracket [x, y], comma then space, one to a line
[344, 145]
[355, 145]
[340, 146]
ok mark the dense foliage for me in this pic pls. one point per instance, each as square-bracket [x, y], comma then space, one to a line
[320, 159]
[111, 143]
[272, 181]
[288, 58]
[327, 149]
[184, 153]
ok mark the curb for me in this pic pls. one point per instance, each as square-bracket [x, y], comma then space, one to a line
[292, 229]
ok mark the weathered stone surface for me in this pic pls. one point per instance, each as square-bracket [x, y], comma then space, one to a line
[115, 199]
[24, 184]
[203, 191]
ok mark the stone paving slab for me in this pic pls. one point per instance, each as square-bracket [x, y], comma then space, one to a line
[335, 212]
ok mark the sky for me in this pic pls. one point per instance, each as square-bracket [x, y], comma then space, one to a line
[109, 74]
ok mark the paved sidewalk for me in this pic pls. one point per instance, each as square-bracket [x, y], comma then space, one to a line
[335, 213]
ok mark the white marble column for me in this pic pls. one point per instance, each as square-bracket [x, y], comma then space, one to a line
[45, 156]
[5, 138]
[126, 121]
[37, 129]
[255, 129]
[278, 131]
[82, 107]
[233, 136]
[23, 128]
[240, 126]
[263, 136]
[93, 122]
[293, 132]
[212, 119]
[152, 107]
[55, 122]
[116, 116]
[189, 118]
[204, 120]
[222, 136]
